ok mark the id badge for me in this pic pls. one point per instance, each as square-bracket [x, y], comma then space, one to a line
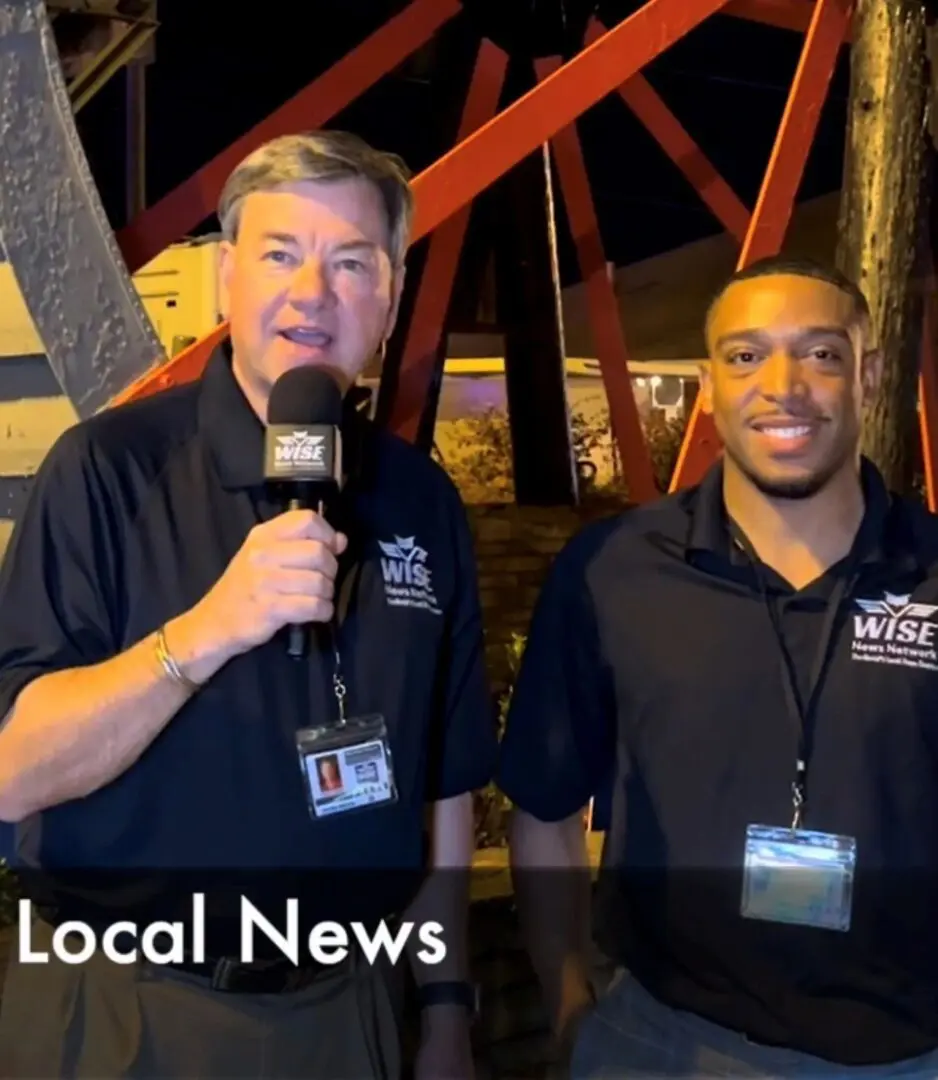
[347, 767]
[799, 877]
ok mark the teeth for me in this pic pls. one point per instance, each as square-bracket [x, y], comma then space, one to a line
[787, 432]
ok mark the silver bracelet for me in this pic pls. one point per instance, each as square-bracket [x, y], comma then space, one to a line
[169, 665]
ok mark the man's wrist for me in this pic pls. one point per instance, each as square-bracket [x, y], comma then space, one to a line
[198, 654]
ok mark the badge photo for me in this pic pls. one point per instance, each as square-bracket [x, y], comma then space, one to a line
[347, 767]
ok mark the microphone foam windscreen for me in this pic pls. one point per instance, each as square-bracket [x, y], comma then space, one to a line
[305, 395]
[303, 439]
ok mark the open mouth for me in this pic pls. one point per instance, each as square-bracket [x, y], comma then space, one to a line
[310, 337]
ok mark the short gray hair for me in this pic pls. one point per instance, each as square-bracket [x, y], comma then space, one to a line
[322, 155]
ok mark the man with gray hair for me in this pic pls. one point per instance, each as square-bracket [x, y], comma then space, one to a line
[154, 723]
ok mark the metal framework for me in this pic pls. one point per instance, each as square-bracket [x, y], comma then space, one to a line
[53, 229]
[126, 40]
[490, 143]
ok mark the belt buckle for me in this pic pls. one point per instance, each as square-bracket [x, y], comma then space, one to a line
[222, 973]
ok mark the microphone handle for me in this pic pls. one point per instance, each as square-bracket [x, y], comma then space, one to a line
[296, 646]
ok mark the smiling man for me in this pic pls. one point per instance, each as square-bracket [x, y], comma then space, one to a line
[755, 662]
[153, 718]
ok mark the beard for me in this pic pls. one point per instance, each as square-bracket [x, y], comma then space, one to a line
[803, 487]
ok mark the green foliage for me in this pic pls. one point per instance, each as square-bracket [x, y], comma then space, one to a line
[664, 438]
[491, 806]
[476, 452]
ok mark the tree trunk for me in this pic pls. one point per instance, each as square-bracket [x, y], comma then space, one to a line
[883, 211]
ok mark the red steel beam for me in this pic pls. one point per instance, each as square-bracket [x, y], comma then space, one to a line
[928, 393]
[608, 335]
[428, 321]
[182, 209]
[553, 105]
[671, 136]
[477, 162]
[775, 204]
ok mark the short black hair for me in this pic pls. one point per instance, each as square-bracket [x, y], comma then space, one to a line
[796, 267]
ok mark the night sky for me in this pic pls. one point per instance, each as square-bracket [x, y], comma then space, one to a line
[727, 82]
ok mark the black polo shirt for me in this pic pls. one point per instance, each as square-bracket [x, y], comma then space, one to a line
[134, 516]
[652, 654]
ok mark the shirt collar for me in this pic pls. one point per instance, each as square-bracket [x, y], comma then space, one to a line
[884, 535]
[235, 434]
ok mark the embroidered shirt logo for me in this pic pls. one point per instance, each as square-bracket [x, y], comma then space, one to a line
[896, 631]
[408, 581]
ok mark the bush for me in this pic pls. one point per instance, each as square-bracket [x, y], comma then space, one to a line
[664, 439]
[478, 456]
[491, 806]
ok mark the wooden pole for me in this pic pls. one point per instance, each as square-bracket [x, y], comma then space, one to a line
[883, 214]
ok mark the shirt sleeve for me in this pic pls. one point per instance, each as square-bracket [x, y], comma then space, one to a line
[56, 591]
[465, 747]
[559, 740]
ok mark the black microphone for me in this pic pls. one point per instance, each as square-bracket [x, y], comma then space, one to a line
[303, 447]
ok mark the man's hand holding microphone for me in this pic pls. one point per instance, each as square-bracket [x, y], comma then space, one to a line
[285, 572]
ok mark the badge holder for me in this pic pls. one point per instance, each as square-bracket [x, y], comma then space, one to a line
[346, 766]
[798, 876]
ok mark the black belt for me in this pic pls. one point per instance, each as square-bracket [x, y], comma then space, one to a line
[230, 975]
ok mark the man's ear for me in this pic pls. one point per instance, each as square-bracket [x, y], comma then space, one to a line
[871, 373]
[226, 255]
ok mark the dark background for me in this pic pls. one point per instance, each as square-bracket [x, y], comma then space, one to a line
[221, 69]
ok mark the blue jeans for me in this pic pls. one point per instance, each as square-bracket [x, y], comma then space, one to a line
[631, 1036]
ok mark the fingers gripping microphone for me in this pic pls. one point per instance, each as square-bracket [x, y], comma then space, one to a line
[303, 447]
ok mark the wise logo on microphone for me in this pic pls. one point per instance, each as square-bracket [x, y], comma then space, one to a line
[309, 452]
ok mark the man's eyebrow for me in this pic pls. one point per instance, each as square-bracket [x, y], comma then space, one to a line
[740, 335]
[357, 245]
[348, 245]
[280, 237]
[825, 331]
[806, 332]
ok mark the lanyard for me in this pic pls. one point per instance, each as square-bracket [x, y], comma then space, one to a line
[343, 602]
[802, 713]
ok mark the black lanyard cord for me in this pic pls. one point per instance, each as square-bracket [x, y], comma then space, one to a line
[343, 602]
[802, 713]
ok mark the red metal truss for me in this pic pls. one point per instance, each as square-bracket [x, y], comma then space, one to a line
[186, 206]
[608, 336]
[928, 392]
[548, 112]
[428, 321]
[776, 200]
[477, 162]
[553, 105]
[661, 123]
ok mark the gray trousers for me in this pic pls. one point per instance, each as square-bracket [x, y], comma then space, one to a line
[631, 1036]
[103, 1021]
